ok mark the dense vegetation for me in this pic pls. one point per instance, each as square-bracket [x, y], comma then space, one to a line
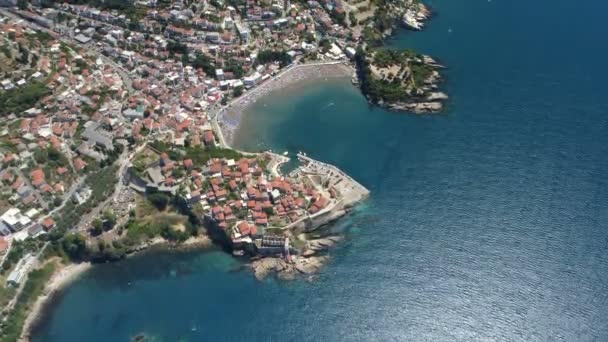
[50, 157]
[235, 67]
[156, 220]
[161, 226]
[268, 56]
[392, 88]
[338, 16]
[101, 184]
[199, 155]
[159, 200]
[20, 249]
[202, 61]
[176, 47]
[19, 99]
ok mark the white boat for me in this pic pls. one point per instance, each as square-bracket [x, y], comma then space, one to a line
[285, 153]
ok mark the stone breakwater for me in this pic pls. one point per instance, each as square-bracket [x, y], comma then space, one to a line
[229, 117]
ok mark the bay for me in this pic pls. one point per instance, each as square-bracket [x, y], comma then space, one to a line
[487, 222]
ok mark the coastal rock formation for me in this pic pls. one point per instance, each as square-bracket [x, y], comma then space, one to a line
[388, 14]
[418, 107]
[415, 16]
[324, 244]
[287, 270]
[308, 253]
[263, 267]
[439, 96]
[139, 338]
[310, 265]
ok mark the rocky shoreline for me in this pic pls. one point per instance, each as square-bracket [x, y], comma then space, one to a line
[415, 16]
[408, 83]
[429, 99]
[287, 271]
[310, 261]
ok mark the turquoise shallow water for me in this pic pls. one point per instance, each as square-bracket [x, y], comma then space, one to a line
[488, 222]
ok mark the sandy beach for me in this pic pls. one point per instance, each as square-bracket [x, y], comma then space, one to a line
[60, 279]
[230, 117]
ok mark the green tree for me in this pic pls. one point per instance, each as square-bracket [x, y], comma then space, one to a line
[325, 45]
[54, 154]
[185, 59]
[22, 4]
[109, 217]
[338, 16]
[40, 156]
[269, 211]
[24, 54]
[201, 61]
[235, 67]
[353, 19]
[22, 98]
[267, 56]
[96, 227]
[237, 91]
[75, 246]
[159, 200]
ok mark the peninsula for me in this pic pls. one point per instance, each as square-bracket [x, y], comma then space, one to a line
[117, 119]
[400, 80]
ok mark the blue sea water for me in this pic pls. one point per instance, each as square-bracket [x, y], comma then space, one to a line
[486, 223]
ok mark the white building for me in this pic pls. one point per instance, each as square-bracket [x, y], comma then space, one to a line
[350, 52]
[219, 73]
[275, 195]
[133, 114]
[7, 84]
[243, 30]
[17, 276]
[252, 80]
[4, 230]
[15, 220]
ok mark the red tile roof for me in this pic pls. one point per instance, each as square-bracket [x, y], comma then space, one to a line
[79, 164]
[244, 228]
[3, 245]
[37, 177]
[48, 223]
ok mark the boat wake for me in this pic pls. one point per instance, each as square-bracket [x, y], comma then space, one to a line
[331, 104]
